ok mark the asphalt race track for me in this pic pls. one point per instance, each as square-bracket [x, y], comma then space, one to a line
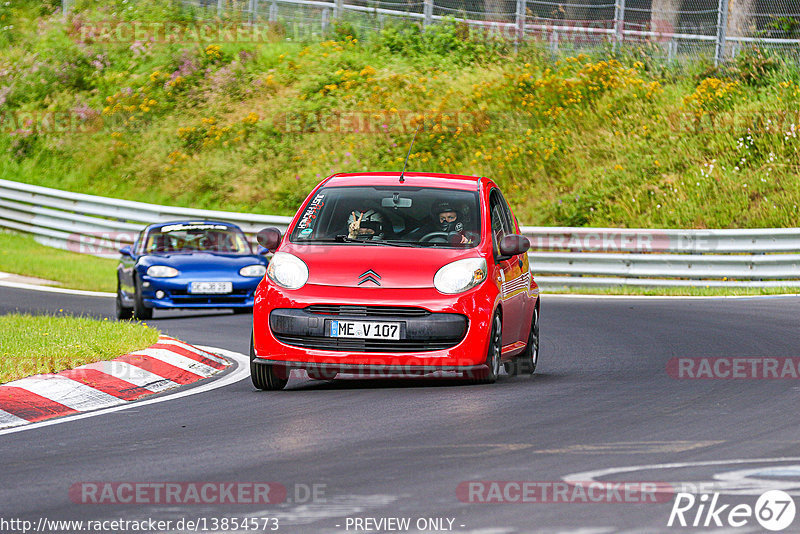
[601, 400]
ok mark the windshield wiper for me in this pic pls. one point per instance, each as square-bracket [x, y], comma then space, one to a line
[347, 239]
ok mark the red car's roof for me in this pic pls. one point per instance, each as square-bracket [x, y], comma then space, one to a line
[413, 179]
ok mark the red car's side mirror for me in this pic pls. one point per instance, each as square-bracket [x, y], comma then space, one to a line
[513, 244]
[269, 238]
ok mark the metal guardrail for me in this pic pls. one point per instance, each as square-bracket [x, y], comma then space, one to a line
[560, 256]
[766, 257]
[99, 225]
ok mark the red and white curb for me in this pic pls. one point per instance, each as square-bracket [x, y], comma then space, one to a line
[168, 364]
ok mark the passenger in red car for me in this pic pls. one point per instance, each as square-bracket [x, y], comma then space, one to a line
[367, 224]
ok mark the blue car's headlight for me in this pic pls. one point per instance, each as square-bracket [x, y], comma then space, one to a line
[161, 271]
[256, 270]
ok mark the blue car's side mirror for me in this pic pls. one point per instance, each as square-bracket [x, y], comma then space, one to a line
[262, 250]
[126, 251]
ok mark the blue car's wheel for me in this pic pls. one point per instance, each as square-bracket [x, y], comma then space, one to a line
[123, 312]
[140, 311]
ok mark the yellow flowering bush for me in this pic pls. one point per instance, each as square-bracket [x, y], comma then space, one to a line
[711, 96]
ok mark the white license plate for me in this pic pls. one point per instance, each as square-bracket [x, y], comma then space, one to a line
[365, 330]
[208, 288]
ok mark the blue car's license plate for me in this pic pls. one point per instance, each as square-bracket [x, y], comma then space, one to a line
[210, 288]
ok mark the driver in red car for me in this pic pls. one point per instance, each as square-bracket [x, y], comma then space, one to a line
[451, 221]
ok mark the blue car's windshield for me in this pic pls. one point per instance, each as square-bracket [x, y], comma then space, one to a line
[196, 238]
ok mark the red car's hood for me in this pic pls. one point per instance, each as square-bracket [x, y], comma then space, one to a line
[348, 265]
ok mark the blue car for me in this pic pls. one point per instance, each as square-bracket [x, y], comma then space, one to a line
[188, 264]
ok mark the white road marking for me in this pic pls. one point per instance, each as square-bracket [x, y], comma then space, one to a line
[66, 391]
[33, 287]
[736, 486]
[190, 348]
[182, 362]
[8, 420]
[241, 372]
[133, 375]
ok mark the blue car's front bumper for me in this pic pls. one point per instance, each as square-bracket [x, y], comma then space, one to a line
[177, 295]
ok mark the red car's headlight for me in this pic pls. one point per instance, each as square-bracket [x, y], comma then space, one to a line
[287, 270]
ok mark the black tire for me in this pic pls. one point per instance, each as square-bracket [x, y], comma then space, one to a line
[526, 362]
[242, 311]
[492, 354]
[140, 311]
[123, 312]
[266, 377]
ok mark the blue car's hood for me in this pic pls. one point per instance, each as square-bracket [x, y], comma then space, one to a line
[201, 261]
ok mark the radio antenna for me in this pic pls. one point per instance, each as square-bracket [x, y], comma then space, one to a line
[409, 153]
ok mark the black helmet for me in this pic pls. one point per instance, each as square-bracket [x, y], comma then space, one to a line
[451, 223]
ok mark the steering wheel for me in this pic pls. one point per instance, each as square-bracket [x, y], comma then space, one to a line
[434, 235]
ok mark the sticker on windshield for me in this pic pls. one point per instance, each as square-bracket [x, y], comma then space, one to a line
[305, 233]
[310, 216]
[191, 226]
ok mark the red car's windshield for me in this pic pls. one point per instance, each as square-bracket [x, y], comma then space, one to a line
[394, 216]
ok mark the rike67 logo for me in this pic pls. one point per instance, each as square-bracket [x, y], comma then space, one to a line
[774, 510]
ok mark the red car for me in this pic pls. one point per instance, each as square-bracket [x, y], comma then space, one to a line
[384, 273]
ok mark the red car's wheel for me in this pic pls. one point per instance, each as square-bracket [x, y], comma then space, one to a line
[266, 377]
[492, 354]
[526, 362]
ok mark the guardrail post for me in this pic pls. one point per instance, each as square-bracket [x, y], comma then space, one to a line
[554, 42]
[520, 23]
[337, 9]
[325, 20]
[252, 6]
[273, 12]
[427, 11]
[619, 22]
[220, 7]
[722, 26]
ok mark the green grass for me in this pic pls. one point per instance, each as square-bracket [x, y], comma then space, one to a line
[20, 254]
[608, 139]
[47, 344]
